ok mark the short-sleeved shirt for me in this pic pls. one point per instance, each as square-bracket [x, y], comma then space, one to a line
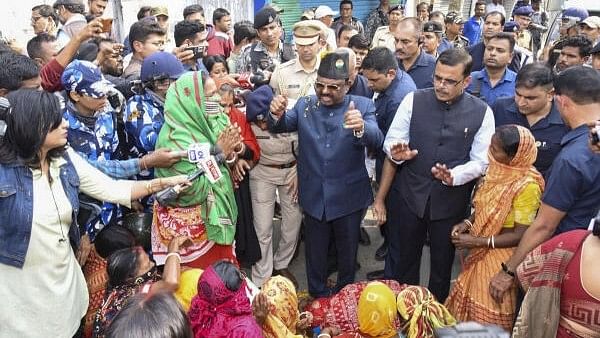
[480, 86]
[422, 70]
[548, 131]
[384, 38]
[573, 184]
[290, 78]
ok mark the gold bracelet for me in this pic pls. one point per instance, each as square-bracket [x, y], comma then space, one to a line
[149, 187]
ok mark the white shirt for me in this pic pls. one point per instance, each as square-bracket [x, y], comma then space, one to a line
[491, 7]
[49, 296]
[400, 132]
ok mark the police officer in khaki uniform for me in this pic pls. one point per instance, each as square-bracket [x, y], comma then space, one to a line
[383, 35]
[274, 173]
[296, 78]
[454, 28]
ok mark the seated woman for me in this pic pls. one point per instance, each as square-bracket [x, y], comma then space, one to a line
[151, 316]
[40, 179]
[341, 310]
[222, 307]
[560, 289]
[108, 240]
[206, 212]
[276, 309]
[131, 271]
[505, 204]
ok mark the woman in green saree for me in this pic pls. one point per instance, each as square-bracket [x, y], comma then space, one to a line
[206, 212]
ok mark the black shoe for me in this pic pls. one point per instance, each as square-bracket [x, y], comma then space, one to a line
[381, 252]
[364, 237]
[375, 275]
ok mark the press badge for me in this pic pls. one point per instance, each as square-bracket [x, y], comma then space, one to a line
[198, 152]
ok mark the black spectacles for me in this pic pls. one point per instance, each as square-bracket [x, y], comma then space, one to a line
[332, 87]
[441, 81]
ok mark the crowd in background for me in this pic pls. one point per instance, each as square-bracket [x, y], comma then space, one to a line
[140, 179]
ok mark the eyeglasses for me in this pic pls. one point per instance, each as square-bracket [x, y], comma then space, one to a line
[443, 82]
[321, 86]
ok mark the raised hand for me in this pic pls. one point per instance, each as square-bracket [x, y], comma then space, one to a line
[442, 173]
[353, 118]
[402, 152]
[278, 105]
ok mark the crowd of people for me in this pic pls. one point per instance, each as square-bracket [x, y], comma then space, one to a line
[140, 179]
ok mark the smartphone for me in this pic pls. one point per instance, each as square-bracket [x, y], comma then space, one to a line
[198, 51]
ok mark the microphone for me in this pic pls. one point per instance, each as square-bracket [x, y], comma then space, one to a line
[169, 195]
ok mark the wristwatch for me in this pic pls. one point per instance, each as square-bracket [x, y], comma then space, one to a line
[506, 270]
[360, 133]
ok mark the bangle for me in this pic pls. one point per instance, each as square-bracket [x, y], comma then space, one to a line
[493, 244]
[149, 187]
[143, 163]
[173, 254]
[232, 159]
[468, 223]
[324, 335]
[489, 241]
[506, 270]
[242, 149]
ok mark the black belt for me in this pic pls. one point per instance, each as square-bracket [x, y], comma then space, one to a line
[281, 166]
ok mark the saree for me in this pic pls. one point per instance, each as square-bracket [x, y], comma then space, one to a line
[470, 299]
[219, 312]
[283, 308]
[541, 275]
[341, 309]
[206, 211]
[421, 312]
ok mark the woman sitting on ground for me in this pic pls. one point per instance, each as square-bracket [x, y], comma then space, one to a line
[505, 205]
[131, 271]
[222, 307]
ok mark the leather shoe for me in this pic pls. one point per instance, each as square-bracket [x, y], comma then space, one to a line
[375, 275]
[381, 252]
[287, 274]
[364, 237]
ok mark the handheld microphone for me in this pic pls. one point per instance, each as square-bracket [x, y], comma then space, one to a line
[169, 195]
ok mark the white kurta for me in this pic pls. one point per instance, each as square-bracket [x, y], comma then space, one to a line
[48, 296]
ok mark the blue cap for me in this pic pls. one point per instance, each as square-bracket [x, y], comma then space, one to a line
[258, 102]
[161, 65]
[576, 13]
[84, 77]
[511, 27]
[523, 10]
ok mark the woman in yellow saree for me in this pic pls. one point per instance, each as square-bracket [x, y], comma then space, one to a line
[505, 203]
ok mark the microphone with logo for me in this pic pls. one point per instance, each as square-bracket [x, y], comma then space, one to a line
[207, 165]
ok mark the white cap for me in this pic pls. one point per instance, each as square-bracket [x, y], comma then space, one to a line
[323, 11]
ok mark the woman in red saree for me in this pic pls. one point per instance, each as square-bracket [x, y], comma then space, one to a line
[505, 204]
[562, 282]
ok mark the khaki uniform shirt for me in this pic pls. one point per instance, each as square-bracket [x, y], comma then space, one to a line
[523, 39]
[384, 38]
[275, 149]
[292, 80]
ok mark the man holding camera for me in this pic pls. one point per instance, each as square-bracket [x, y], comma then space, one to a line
[192, 44]
[334, 189]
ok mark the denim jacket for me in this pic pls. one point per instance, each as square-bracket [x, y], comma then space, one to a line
[16, 205]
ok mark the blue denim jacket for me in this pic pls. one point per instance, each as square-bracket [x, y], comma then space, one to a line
[16, 205]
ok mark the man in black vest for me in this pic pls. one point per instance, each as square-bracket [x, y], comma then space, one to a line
[441, 136]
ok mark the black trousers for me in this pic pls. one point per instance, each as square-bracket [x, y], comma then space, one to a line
[317, 234]
[406, 234]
